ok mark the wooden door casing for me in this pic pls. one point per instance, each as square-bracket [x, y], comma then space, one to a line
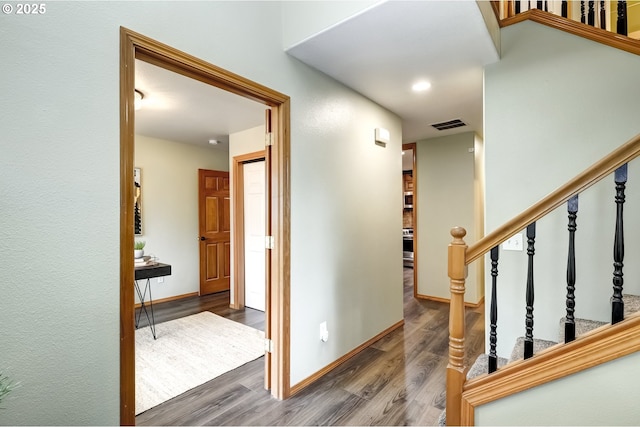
[214, 231]
[137, 46]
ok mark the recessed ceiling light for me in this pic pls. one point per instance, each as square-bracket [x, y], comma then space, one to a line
[421, 86]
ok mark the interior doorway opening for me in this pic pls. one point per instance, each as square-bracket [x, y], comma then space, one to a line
[136, 46]
[249, 246]
[409, 216]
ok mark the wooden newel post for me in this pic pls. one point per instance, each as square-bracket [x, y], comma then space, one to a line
[456, 370]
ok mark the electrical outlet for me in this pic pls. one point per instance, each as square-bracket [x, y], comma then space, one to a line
[160, 279]
[324, 332]
[513, 243]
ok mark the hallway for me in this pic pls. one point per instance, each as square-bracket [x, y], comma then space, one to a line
[399, 380]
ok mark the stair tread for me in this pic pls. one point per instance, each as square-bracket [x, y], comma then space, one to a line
[538, 345]
[481, 366]
[631, 304]
[582, 327]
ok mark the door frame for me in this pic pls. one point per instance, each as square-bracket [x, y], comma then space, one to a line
[137, 46]
[413, 146]
[237, 178]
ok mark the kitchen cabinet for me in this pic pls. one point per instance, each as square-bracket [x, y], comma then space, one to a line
[407, 181]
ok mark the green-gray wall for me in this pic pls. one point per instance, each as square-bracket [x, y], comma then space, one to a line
[446, 197]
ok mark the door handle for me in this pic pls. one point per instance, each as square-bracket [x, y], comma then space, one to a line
[201, 238]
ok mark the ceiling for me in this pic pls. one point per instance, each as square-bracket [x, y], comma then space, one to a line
[379, 53]
[181, 109]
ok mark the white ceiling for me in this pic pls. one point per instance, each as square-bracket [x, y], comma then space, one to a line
[379, 53]
[181, 109]
[383, 51]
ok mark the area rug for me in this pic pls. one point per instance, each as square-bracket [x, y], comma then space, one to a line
[188, 352]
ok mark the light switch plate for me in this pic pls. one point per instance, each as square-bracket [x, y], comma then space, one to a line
[514, 243]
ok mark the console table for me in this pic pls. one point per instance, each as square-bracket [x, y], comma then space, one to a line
[148, 272]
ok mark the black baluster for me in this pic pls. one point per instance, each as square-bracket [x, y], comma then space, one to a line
[546, 6]
[565, 9]
[518, 6]
[539, 5]
[583, 17]
[617, 304]
[603, 16]
[621, 23]
[493, 335]
[528, 339]
[570, 324]
[592, 13]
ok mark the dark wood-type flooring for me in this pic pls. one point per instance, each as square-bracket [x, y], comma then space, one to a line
[399, 380]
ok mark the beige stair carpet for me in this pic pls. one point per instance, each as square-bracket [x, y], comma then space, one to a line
[188, 352]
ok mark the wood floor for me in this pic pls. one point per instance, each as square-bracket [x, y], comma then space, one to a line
[400, 380]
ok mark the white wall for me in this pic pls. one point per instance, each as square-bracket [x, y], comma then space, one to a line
[554, 105]
[59, 186]
[243, 142]
[602, 395]
[169, 174]
[305, 19]
[446, 198]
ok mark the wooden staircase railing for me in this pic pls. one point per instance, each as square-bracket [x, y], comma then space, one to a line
[460, 256]
[616, 39]
[594, 13]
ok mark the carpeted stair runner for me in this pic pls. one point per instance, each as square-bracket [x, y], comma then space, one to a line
[582, 327]
[538, 345]
[481, 365]
[631, 305]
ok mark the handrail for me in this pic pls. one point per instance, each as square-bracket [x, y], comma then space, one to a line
[584, 180]
[577, 28]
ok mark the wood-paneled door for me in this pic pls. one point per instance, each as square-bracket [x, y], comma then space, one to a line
[214, 209]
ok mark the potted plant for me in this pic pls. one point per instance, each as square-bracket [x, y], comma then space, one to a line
[138, 248]
[6, 386]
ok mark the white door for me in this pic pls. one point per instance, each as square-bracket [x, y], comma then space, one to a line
[254, 235]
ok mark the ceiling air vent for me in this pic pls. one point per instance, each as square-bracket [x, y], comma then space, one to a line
[455, 123]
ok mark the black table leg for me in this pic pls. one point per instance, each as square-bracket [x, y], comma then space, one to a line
[143, 307]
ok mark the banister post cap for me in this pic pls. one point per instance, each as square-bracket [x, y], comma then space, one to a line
[458, 233]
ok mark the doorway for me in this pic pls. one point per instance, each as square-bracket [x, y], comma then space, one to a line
[249, 204]
[136, 46]
[409, 217]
